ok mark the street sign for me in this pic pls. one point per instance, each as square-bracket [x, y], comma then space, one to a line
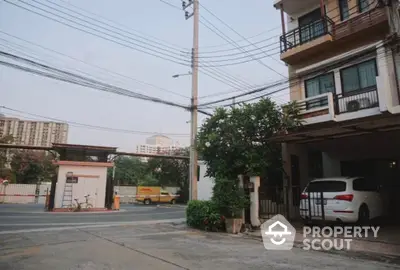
[72, 180]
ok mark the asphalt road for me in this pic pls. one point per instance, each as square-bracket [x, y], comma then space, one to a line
[32, 217]
[143, 238]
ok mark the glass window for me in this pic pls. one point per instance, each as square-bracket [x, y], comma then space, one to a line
[359, 77]
[311, 26]
[363, 5]
[344, 9]
[326, 186]
[362, 184]
[317, 86]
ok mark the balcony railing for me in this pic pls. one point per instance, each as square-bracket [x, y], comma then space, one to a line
[306, 33]
[357, 100]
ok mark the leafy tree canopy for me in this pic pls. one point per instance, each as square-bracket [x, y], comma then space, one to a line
[128, 170]
[30, 167]
[236, 141]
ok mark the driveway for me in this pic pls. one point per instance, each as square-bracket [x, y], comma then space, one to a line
[141, 238]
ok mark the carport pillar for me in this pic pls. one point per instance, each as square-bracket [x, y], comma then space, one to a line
[254, 202]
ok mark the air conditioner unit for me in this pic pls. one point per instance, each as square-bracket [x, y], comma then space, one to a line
[358, 102]
[355, 105]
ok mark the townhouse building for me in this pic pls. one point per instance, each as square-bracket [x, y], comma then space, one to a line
[343, 58]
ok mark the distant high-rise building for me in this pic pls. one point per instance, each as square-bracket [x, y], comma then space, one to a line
[158, 144]
[159, 140]
[35, 133]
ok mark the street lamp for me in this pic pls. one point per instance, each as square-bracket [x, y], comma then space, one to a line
[180, 75]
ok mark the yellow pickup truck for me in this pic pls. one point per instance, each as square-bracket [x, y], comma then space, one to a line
[149, 195]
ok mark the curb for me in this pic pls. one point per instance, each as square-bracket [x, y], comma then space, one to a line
[171, 206]
[366, 255]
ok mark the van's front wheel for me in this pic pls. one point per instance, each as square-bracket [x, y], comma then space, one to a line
[173, 201]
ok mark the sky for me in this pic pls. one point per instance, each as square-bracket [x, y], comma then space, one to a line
[138, 25]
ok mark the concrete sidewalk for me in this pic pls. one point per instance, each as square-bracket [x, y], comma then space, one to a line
[361, 247]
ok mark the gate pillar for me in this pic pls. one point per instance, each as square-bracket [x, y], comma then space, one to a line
[254, 202]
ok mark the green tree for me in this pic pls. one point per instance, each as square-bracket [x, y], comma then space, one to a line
[172, 172]
[237, 140]
[30, 167]
[128, 170]
[5, 171]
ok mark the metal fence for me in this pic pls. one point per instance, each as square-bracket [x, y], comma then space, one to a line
[312, 205]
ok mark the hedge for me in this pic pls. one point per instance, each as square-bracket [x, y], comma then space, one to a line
[204, 215]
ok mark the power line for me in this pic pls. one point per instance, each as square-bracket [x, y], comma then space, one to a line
[92, 65]
[224, 78]
[83, 81]
[170, 45]
[241, 40]
[77, 79]
[233, 80]
[150, 51]
[258, 60]
[294, 81]
[82, 125]
[273, 84]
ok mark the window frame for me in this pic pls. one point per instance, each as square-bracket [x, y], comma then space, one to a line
[359, 6]
[308, 105]
[340, 5]
[360, 90]
[332, 73]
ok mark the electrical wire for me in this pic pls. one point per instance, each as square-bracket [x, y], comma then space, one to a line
[352, 60]
[224, 77]
[82, 125]
[243, 50]
[68, 76]
[232, 29]
[111, 38]
[233, 81]
[273, 85]
[107, 71]
[121, 26]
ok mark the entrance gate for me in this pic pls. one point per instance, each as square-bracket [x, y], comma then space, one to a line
[273, 200]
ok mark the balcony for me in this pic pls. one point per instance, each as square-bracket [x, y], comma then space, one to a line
[305, 39]
[339, 107]
[358, 25]
[359, 100]
[326, 35]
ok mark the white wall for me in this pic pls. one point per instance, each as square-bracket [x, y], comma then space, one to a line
[205, 184]
[91, 180]
[22, 193]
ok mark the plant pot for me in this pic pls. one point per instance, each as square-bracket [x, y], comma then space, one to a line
[233, 225]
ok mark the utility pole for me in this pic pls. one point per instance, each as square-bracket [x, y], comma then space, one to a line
[193, 110]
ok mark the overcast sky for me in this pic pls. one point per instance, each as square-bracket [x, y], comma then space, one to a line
[256, 19]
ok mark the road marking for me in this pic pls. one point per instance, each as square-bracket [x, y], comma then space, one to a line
[142, 222]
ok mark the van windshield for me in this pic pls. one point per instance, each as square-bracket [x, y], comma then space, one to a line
[326, 186]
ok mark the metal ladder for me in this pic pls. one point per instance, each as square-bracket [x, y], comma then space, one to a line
[67, 195]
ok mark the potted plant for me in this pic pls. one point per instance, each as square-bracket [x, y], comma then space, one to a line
[230, 200]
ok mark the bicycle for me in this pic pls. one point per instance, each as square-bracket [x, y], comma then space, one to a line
[78, 207]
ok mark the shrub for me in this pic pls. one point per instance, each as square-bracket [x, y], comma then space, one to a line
[229, 198]
[204, 215]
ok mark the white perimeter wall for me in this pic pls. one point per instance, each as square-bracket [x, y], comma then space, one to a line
[23, 193]
[91, 180]
[205, 184]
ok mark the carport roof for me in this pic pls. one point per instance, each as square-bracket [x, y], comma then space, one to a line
[335, 130]
[83, 147]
